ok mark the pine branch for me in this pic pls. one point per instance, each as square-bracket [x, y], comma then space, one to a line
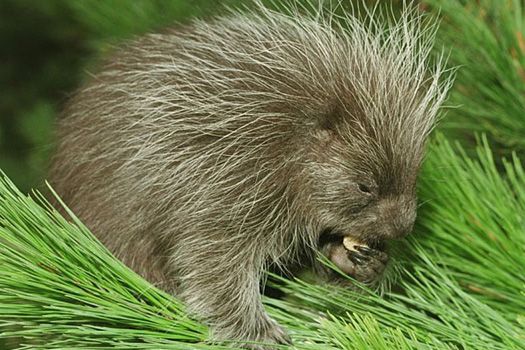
[486, 39]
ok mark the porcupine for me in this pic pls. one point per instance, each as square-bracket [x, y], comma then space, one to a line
[205, 153]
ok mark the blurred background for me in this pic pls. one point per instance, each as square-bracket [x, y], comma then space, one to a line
[48, 47]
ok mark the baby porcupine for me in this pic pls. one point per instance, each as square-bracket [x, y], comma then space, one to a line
[203, 154]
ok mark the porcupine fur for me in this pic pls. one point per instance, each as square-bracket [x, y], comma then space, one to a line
[202, 154]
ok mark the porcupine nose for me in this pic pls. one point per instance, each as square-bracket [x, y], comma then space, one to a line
[399, 215]
[402, 228]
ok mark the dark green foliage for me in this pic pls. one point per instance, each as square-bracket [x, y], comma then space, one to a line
[40, 60]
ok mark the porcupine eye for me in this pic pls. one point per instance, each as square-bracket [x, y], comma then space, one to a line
[363, 200]
[364, 188]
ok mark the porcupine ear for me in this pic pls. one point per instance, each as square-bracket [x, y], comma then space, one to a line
[339, 119]
[325, 123]
[329, 120]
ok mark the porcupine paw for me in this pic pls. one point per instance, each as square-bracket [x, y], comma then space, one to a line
[359, 260]
[272, 334]
[369, 263]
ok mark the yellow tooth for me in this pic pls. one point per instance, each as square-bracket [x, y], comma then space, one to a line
[349, 243]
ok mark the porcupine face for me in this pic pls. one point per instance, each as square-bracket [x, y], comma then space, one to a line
[362, 186]
[366, 153]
